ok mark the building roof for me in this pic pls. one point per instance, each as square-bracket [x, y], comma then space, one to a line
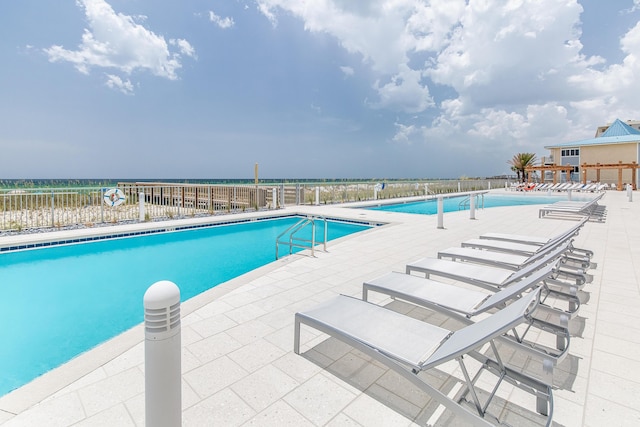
[618, 132]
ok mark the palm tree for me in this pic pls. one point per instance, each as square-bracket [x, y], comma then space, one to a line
[521, 161]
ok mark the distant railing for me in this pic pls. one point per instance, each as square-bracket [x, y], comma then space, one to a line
[56, 208]
[359, 191]
[51, 208]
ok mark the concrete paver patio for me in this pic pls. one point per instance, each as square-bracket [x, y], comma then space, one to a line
[237, 339]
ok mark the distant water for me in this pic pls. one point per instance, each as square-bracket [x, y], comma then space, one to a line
[96, 182]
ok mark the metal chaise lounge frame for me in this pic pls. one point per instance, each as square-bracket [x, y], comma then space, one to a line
[515, 251]
[587, 209]
[493, 278]
[409, 346]
[540, 241]
[463, 304]
[534, 240]
[514, 261]
[528, 245]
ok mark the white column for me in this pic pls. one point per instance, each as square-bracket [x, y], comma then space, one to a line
[162, 355]
[141, 203]
[440, 212]
[472, 207]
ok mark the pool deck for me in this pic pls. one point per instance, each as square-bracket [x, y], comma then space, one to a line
[238, 364]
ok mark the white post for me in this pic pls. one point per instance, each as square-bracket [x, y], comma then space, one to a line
[162, 377]
[141, 203]
[426, 189]
[489, 185]
[274, 197]
[440, 212]
[472, 207]
[317, 196]
[375, 192]
[569, 194]
[282, 195]
[459, 187]
[630, 192]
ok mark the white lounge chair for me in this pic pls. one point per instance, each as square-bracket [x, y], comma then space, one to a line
[535, 240]
[581, 255]
[571, 267]
[491, 278]
[464, 304]
[408, 346]
[530, 245]
[571, 209]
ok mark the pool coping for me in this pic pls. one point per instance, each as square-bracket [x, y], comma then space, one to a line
[83, 235]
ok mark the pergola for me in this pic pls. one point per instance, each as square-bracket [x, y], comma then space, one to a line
[633, 166]
[554, 168]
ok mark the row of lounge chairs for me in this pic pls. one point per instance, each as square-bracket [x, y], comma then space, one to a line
[568, 209]
[517, 286]
[591, 187]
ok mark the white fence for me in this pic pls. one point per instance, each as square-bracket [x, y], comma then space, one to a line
[26, 209]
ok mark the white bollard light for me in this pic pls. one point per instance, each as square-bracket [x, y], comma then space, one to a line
[630, 192]
[162, 378]
[569, 194]
[274, 197]
[472, 207]
[440, 212]
[141, 203]
[317, 196]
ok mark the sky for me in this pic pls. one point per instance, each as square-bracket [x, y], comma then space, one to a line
[196, 89]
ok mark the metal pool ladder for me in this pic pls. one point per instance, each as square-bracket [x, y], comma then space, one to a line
[294, 241]
[464, 204]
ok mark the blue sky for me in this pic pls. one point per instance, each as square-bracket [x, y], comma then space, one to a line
[307, 89]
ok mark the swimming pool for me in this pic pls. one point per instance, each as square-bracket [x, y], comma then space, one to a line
[452, 204]
[63, 300]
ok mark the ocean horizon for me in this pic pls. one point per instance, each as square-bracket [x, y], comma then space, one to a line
[110, 182]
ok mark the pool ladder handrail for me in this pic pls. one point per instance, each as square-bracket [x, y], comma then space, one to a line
[297, 242]
[464, 204]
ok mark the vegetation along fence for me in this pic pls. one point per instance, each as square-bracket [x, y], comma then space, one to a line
[42, 208]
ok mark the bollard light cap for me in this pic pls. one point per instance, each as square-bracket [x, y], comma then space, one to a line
[162, 311]
[161, 294]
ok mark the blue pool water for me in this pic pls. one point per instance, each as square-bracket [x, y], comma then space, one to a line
[58, 302]
[452, 204]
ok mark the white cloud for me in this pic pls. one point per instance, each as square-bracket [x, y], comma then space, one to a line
[117, 83]
[221, 22]
[405, 92]
[636, 6]
[515, 71]
[184, 46]
[347, 71]
[386, 33]
[115, 41]
[404, 133]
